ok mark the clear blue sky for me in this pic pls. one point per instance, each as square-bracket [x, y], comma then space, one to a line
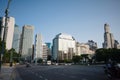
[83, 19]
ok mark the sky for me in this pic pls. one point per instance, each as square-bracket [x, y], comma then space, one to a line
[83, 19]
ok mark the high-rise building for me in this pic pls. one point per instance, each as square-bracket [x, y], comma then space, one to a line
[0, 26]
[9, 31]
[109, 41]
[16, 38]
[85, 49]
[78, 49]
[27, 42]
[92, 45]
[49, 49]
[38, 48]
[64, 47]
[44, 55]
[117, 45]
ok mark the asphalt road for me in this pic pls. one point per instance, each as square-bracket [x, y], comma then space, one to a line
[54, 72]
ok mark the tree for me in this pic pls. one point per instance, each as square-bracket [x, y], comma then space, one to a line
[100, 55]
[6, 57]
[76, 59]
[11, 54]
[67, 60]
[2, 49]
[1, 45]
[39, 60]
[49, 57]
[106, 54]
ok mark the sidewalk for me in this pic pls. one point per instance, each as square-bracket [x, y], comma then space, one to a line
[9, 73]
[6, 72]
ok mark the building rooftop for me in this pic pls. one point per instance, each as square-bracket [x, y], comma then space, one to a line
[65, 36]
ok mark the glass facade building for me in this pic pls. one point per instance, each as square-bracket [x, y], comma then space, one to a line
[27, 42]
[16, 38]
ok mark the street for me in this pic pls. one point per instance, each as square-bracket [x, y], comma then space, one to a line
[61, 72]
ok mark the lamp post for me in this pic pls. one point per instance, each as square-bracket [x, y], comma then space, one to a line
[4, 36]
[5, 33]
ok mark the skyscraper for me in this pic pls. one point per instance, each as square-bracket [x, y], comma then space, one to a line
[49, 48]
[44, 55]
[92, 45]
[38, 48]
[108, 37]
[26, 42]
[9, 31]
[78, 49]
[16, 38]
[63, 47]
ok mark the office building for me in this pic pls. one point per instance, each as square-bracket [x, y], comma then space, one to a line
[107, 37]
[38, 48]
[16, 38]
[27, 42]
[78, 49]
[109, 41]
[85, 49]
[92, 44]
[44, 55]
[9, 31]
[117, 45]
[64, 47]
[49, 49]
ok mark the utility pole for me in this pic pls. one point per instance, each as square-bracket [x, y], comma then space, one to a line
[5, 32]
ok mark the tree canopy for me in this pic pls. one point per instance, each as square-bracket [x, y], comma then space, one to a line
[106, 54]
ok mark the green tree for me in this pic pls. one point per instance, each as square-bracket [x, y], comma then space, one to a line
[6, 57]
[67, 60]
[1, 46]
[76, 59]
[49, 57]
[106, 54]
[2, 49]
[100, 55]
[11, 54]
[39, 60]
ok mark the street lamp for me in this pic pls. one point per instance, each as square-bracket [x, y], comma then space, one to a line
[5, 33]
